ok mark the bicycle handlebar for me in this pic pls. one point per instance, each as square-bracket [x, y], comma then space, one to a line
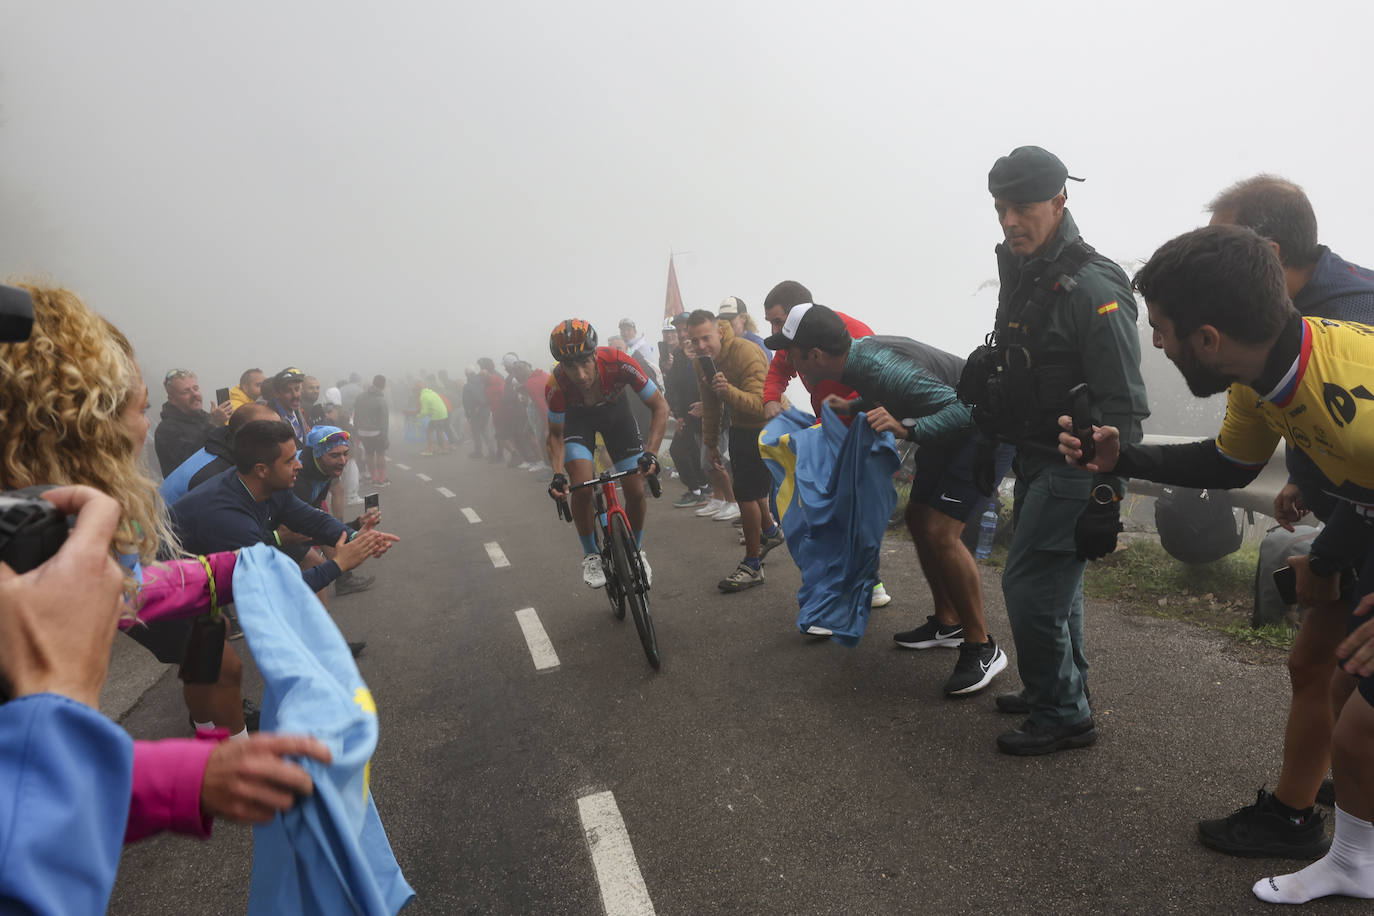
[655, 487]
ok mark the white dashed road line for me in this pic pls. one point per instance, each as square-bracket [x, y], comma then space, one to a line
[472, 517]
[622, 886]
[424, 477]
[404, 467]
[541, 649]
[448, 494]
[498, 557]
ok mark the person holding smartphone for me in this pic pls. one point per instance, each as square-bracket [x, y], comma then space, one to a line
[730, 373]
[586, 396]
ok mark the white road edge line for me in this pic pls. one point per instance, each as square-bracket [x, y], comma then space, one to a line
[498, 556]
[425, 477]
[472, 517]
[622, 886]
[404, 467]
[448, 494]
[541, 649]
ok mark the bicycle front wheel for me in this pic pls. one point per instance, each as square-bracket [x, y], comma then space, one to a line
[616, 585]
[625, 554]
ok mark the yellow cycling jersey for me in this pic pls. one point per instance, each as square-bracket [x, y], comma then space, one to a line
[1323, 406]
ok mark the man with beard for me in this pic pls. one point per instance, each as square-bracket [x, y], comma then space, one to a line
[1320, 283]
[1220, 311]
[1064, 332]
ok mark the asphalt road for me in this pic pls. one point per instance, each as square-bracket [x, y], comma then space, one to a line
[759, 771]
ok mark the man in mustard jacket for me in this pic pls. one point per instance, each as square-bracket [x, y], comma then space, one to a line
[740, 367]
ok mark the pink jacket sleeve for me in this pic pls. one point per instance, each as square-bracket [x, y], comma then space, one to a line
[167, 780]
[179, 588]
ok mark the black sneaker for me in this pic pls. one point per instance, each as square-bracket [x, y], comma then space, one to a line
[1261, 831]
[1013, 703]
[1031, 740]
[978, 664]
[357, 648]
[1326, 794]
[234, 630]
[930, 635]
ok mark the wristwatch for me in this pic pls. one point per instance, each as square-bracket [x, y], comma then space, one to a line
[1104, 494]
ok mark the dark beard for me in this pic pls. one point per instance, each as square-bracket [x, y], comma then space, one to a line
[1202, 382]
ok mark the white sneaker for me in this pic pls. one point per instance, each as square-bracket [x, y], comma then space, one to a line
[712, 506]
[524, 465]
[592, 573]
[541, 466]
[880, 596]
[819, 631]
[648, 570]
[731, 511]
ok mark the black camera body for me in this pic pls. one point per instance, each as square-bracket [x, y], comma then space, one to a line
[31, 528]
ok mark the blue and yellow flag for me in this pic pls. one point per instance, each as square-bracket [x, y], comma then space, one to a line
[329, 854]
[834, 494]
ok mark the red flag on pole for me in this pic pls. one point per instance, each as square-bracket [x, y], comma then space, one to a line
[673, 303]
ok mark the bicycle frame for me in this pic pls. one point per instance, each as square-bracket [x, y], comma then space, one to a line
[626, 581]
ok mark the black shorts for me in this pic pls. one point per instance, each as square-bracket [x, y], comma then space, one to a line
[944, 477]
[1364, 584]
[615, 423]
[749, 474]
[166, 639]
[374, 445]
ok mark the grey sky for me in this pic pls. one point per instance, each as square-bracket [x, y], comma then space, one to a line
[404, 184]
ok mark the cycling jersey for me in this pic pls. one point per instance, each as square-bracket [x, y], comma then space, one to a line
[616, 371]
[1322, 405]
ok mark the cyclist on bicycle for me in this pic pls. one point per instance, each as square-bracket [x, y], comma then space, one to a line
[586, 396]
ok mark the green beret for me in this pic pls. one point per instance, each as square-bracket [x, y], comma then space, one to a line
[1027, 175]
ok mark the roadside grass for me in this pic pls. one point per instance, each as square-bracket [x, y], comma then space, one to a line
[1217, 596]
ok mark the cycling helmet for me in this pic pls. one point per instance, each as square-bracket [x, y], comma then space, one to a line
[572, 339]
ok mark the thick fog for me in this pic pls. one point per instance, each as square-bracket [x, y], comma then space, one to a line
[381, 187]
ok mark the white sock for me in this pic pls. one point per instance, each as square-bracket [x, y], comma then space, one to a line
[1347, 869]
[241, 736]
[204, 726]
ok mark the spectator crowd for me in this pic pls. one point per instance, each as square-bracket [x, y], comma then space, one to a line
[1251, 305]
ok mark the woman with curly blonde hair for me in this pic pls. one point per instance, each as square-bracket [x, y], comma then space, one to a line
[72, 403]
[67, 402]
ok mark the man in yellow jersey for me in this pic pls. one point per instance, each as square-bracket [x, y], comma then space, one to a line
[1220, 311]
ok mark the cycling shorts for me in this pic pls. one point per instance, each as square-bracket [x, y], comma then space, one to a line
[613, 421]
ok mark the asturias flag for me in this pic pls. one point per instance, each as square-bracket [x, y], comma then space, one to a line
[329, 854]
[834, 495]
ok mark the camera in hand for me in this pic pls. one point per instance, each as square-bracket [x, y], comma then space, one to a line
[16, 314]
[31, 528]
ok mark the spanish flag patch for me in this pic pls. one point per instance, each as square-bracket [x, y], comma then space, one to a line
[1109, 307]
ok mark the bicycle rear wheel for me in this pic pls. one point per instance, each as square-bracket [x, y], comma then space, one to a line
[630, 571]
[615, 585]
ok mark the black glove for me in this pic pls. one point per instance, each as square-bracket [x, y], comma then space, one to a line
[648, 463]
[985, 466]
[558, 485]
[1095, 533]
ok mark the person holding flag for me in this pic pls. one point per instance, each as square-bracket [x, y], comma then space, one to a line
[907, 388]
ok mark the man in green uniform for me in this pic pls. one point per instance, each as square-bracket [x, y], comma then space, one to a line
[1065, 318]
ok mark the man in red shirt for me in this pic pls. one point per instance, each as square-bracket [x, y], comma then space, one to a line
[779, 301]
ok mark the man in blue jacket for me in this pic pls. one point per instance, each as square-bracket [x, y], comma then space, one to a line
[243, 506]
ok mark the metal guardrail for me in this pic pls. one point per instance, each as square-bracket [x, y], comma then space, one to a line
[1258, 496]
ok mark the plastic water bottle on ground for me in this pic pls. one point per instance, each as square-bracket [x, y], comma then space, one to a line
[987, 530]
